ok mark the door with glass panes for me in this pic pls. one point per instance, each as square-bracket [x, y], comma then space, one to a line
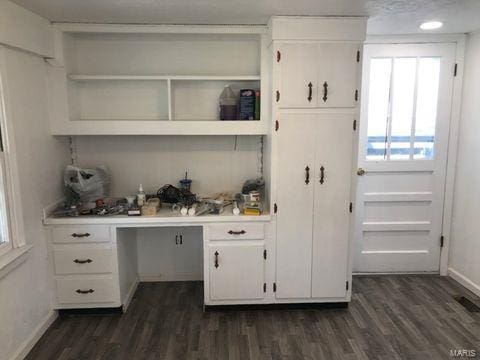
[404, 128]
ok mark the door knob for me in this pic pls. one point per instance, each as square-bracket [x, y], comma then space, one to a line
[360, 172]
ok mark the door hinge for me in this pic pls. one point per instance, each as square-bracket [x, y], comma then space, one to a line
[346, 286]
[265, 254]
[354, 125]
[277, 96]
[277, 125]
[275, 208]
[274, 287]
[356, 95]
[358, 56]
[350, 207]
[442, 240]
[279, 55]
[455, 69]
[264, 287]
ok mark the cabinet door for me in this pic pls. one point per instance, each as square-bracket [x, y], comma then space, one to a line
[337, 75]
[298, 76]
[237, 271]
[296, 153]
[333, 173]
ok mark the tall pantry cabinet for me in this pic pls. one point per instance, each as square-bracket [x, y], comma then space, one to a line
[315, 83]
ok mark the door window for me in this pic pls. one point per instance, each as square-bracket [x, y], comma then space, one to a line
[402, 109]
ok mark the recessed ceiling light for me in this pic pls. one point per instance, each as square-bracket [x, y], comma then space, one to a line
[431, 25]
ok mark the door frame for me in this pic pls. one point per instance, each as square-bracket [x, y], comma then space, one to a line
[459, 41]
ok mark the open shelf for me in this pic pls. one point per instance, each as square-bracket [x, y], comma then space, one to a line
[166, 77]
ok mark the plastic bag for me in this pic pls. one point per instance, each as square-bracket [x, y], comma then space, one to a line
[86, 185]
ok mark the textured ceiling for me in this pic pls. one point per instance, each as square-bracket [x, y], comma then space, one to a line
[386, 16]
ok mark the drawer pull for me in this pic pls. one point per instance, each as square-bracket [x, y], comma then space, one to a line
[80, 291]
[81, 235]
[216, 259]
[86, 261]
[241, 232]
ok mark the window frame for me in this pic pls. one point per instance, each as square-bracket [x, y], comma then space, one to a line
[15, 246]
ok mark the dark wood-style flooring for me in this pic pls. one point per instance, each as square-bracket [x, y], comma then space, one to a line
[390, 317]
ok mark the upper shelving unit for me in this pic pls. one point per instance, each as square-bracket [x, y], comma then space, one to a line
[157, 80]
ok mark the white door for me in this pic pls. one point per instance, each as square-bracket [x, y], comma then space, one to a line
[404, 127]
[331, 231]
[237, 271]
[295, 183]
[338, 66]
[298, 76]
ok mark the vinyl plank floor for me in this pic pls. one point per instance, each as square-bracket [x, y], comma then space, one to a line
[390, 317]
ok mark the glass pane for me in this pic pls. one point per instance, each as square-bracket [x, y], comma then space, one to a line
[402, 107]
[426, 113]
[379, 94]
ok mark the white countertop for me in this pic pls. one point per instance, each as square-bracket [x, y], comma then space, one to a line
[164, 216]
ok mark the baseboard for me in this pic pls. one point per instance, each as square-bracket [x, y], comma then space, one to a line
[129, 297]
[28, 345]
[463, 280]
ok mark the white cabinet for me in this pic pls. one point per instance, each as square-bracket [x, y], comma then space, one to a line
[237, 271]
[296, 156]
[313, 197]
[322, 75]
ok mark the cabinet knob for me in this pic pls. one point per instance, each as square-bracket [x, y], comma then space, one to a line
[322, 174]
[309, 98]
[325, 91]
[361, 172]
[216, 259]
[307, 175]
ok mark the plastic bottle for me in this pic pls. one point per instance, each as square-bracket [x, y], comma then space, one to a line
[140, 196]
[228, 104]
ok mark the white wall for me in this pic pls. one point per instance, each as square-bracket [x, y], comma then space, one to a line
[464, 259]
[26, 293]
[23, 29]
[212, 162]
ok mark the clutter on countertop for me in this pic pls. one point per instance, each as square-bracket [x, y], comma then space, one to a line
[87, 195]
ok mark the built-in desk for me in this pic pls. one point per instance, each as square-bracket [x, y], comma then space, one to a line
[94, 258]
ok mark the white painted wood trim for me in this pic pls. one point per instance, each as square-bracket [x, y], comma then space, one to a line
[159, 29]
[128, 298]
[42, 327]
[464, 281]
[13, 258]
[456, 114]
[166, 77]
[414, 39]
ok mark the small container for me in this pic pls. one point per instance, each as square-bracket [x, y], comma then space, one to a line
[131, 200]
[141, 196]
[185, 183]
[228, 104]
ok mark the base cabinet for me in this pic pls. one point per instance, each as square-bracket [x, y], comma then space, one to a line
[237, 272]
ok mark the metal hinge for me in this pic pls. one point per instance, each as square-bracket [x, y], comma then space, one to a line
[346, 287]
[264, 287]
[275, 208]
[277, 125]
[455, 70]
[265, 254]
[277, 96]
[354, 125]
[442, 240]
[356, 95]
[274, 287]
[350, 207]
[279, 55]
[358, 56]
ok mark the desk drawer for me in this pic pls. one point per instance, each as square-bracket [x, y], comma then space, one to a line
[85, 290]
[82, 261]
[237, 231]
[80, 234]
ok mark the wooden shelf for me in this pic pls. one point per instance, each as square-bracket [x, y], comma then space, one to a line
[162, 127]
[166, 77]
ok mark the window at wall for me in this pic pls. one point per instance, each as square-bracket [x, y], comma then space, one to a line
[402, 108]
[5, 241]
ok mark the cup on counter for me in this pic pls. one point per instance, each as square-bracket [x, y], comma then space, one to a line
[130, 200]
